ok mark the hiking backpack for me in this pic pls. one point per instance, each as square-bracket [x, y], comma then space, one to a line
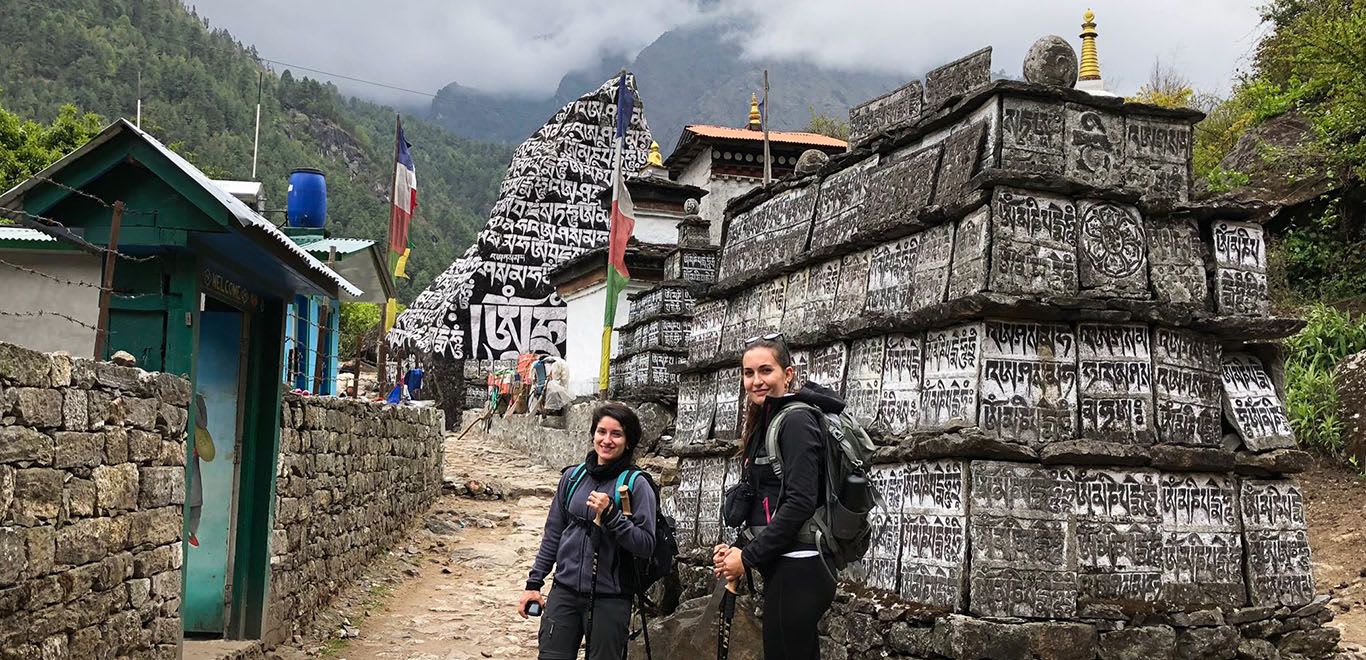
[840, 526]
[641, 572]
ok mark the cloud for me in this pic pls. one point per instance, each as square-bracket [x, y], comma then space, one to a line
[525, 47]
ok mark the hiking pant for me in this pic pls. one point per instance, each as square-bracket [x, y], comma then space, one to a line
[566, 617]
[797, 592]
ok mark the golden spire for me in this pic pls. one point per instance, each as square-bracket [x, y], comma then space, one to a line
[755, 123]
[655, 160]
[1090, 64]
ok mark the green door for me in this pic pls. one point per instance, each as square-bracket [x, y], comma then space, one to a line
[211, 473]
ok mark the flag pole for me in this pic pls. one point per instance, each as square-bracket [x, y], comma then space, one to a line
[382, 352]
[768, 157]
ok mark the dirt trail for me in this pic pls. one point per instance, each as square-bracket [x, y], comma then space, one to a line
[449, 591]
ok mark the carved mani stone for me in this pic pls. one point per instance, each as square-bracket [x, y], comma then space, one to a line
[1203, 549]
[879, 567]
[821, 287]
[960, 160]
[1024, 559]
[827, 366]
[794, 307]
[1119, 539]
[696, 408]
[1186, 385]
[1252, 406]
[838, 211]
[1116, 371]
[729, 408]
[898, 409]
[1240, 284]
[931, 273]
[898, 190]
[1094, 146]
[1178, 262]
[712, 477]
[891, 276]
[1034, 244]
[686, 500]
[956, 79]
[1029, 382]
[948, 394]
[897, 108]
[1158, 154]
[863, 385]
[853, 287]
[934, 532]
[1113, 253]
[971, 245]
[1279, 563]
[1031, 136]
[704, 334]
[770, 233]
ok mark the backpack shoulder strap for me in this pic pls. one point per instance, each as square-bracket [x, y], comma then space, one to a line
[575, 478]
[774, 458]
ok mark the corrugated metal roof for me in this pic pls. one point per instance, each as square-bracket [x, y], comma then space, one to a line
[239, 210]
[24, 234]
[792, 137]
[323, 246]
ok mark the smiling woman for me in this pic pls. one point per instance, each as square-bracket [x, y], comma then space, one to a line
[593, 524]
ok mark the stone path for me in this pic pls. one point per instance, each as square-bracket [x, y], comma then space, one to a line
[450, 592]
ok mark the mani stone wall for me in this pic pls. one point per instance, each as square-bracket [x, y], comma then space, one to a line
[352, 477]
[91, 492]
[1069, 367]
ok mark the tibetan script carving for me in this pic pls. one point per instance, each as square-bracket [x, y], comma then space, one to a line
[794, 306]
[948, 394]
[839, 206]
[971, 243]
[1094, 147]
[1278, 559]
[821, 285]
[899, 405]
[728, 408]
[772, 232]
[863, 386]
[1031, 136]
[962, 153]
[827, 366]
[1252, 406]
[894, 109]
[1114, 250]
[1186, 385]
[900, 189]
[1029, 382]
[1158, 155]
[704, 335]
[1116, 371]
[931, 279]
[891, 276]
[956, 79]
[853, 287]
[1034, 244]
[1240, 283]
[1203, 560]
[1178, 262]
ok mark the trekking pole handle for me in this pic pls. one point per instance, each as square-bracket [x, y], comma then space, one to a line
[733, 586]
[624, 494]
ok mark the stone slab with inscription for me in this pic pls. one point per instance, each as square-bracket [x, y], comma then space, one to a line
[1032, 136]
[952, 360]
[827, 366]
[822, 284]
[1028, 382]
[794, 303]
[1279, 563]
[712, 474]
[971, 252]
[696, 408]
[840, 204]
[863, 382]
[956, 79]
[1240, 284]
[728, 409]
[770, 233]
[1094, 146]
[891, 279]
[899, 107]
[1033, 243]
[932, 263]
[1252, 406]
[1157, 152]
[933, 505]
[1115, 371]
[704, 332]
[901, 187]
[852, 291]
[1119, 540]
[686, 499]
[1202, 540]
[1186, 388]
[1177, 258]
[1023, 552]
[962, 153]
[899, 401]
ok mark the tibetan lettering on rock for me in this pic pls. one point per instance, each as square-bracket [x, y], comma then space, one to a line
[934, 532]
[1029, 382]
[948, 394]
[712, 474]
[894, 109]
[696, 408]
[704, 337]
[899, 402]
[891, 279]
[1032, 136]
[1113, 252]
[853, 287]
[961, 156]
[899, 189]
[1279, 564]
[728, 404]
[863, 385]
[1240, 284]
[827, 366]
[1094, 147]
[839, 206]
[1158, 153]
[1034, 244]
[1203, 547]
[1116, 376]
[1186, 386]
[1024, 561]
[931, 273]
[794, 304]
[772, 232]
[1178, 262]
[1118, 535]
[686, 500]
[971, 247]
[1252, 406]
[956, 79]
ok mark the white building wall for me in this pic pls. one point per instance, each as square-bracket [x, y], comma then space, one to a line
[720, 190]
[583, 348]
[25, 292]
[655, 227]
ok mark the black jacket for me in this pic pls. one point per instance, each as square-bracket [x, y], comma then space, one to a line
[783, 506]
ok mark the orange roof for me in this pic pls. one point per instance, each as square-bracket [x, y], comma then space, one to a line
[795, 137]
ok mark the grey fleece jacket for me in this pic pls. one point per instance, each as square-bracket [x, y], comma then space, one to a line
[567, 543]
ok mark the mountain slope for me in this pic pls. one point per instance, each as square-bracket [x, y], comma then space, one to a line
[690, 75]
[199, 89]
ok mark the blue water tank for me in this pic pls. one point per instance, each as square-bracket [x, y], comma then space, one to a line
[306, 203]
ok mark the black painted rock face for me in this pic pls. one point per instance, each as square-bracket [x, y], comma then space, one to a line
[1051, 61]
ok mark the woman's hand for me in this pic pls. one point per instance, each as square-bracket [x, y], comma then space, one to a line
[731, 566]
[598, 502]
[529, 597]
[718, 554]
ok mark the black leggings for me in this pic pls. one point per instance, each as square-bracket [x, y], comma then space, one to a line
[797, 592]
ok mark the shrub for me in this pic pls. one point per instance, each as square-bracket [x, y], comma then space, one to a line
[1311, 397]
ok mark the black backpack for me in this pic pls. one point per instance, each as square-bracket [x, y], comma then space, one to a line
[639, 574]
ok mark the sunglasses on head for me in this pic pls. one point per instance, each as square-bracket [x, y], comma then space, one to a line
[776, 336]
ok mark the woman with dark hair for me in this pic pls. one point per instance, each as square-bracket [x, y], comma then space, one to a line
[778, 539]
[590, 541]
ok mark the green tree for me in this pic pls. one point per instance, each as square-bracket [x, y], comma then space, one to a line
[826, 125]
[27, 146]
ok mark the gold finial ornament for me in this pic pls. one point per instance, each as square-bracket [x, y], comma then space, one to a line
[655, 160]
[1090, 63]
[755, 120]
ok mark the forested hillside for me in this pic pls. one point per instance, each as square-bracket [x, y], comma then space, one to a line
[199, 90]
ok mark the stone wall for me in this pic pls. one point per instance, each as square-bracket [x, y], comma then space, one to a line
[352, 477]
[559, 440]
[91, 493]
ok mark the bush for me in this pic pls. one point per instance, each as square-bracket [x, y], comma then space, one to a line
[356, 320]
[1311, 397]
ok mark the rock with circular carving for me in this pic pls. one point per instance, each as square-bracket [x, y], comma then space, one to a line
[1051, 61]
[690, 206]
[812, 160]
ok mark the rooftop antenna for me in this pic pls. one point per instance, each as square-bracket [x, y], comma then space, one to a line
[256, 139]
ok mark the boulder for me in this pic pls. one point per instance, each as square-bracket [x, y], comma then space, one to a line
[690, 632]
[1051, 61]
[1351, 384]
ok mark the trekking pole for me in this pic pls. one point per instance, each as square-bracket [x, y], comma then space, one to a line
[624, 494]
[594, 535]
[727, 615]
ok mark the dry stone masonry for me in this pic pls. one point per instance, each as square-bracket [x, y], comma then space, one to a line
[91, 491]
[352, 477]
[1069, 366]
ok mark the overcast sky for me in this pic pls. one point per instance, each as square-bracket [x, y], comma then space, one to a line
[525, 46]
